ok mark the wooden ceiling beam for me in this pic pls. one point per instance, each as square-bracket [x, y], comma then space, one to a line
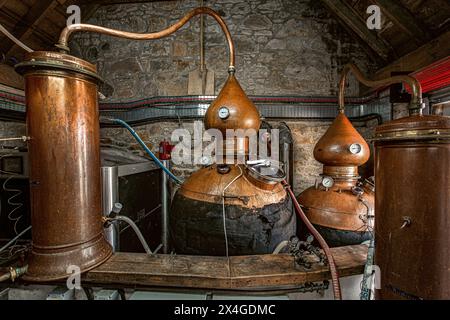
[404, 19]
[352, 20]
[23, 29]
[433, 51]
[2, 3]
[108, 2]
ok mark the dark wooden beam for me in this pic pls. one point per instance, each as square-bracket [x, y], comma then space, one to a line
[433, 51]
[107, 2]
[404, 19]
[352, 20]
[22, 30]
[88, 11]
[2, 3]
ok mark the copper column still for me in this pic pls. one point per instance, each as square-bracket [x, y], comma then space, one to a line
[62, 122]
[340, 206]
[412, 202]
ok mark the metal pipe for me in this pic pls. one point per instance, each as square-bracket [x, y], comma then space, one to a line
[416, 104]
[65, 34]
[23, 138]
[110, 192]
[165, 208]
[14, 273]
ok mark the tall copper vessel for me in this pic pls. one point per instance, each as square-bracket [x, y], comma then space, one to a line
[412, 167]
[62, 123]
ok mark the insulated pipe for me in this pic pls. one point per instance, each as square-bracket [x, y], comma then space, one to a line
[416, 104]
[65, 34]
[322, 243]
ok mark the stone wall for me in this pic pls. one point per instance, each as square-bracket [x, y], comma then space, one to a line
[283, 47]
[305, 134]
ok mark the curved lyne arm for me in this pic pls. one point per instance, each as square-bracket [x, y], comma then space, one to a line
[415, 106]
[65, 34]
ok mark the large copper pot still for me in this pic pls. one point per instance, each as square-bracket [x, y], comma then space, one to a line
[62, 123]
[229, 208]
[412, 202]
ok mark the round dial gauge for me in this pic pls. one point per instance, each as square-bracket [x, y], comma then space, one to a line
[205, 161]
[224, 113]
[327, 182]
[355, 148]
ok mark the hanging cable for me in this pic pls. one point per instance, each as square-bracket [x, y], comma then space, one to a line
[14, 239]
[322, 243]
[223, 209]
[144, 146]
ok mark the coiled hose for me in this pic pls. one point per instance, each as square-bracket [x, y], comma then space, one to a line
[333, 270]
[144, 146]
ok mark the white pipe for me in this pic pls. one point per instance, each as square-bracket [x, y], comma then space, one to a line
[14, 39]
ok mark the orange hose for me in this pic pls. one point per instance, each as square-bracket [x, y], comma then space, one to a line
[333, 270]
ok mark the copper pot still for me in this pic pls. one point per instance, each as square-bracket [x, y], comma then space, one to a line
[229, 208]
[340, 205]
[62, 123]
[412, 167]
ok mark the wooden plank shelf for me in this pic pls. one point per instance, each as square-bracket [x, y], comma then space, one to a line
[245, 273]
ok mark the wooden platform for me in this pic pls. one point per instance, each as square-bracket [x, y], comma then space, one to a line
[248, 273]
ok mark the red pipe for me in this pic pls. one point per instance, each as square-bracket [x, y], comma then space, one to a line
[326, 249]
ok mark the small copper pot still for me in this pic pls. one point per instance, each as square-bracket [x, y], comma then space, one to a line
[340, 206]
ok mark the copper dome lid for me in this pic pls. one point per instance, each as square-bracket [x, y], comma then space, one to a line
[342, 145]
[232, 109]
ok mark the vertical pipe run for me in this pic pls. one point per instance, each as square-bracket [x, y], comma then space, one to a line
[110, 196]
[165, 208]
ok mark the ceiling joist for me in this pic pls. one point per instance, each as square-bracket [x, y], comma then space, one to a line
[404, 19]
[355, 23]
[23, 29]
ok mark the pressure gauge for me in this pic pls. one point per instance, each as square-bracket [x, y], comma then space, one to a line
[355, 148]
[224, 113]
[205, 161]
[327, 182]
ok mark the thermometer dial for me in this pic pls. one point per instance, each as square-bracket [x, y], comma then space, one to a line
[224, 113]
[355, 148]
[327, 182]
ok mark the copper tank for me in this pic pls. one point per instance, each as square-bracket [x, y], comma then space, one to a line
[62, 122]
[412, 167]
[340, 205]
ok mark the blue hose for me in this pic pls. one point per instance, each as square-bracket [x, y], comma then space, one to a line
[144, 146]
